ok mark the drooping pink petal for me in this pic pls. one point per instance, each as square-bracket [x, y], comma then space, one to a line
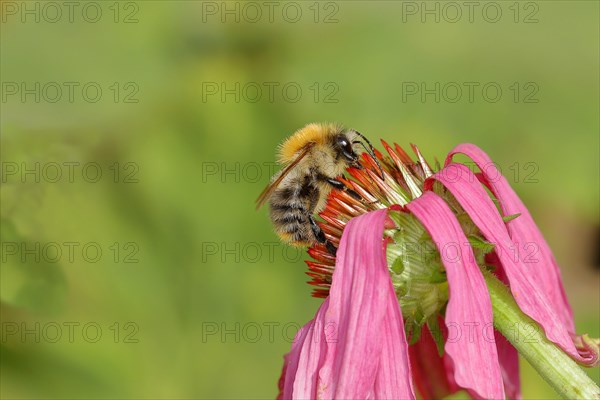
[291, 361]
[523, 231]
[393, 377]
[469, 311]
[463, 184]
[509, 366]
[508, 356]
[312, 354]
[281, 382]
[433, 375]
[360, 308]
[355, 347]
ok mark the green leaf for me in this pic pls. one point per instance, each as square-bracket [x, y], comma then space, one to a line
[415, 333]
[436, 333]
[510, 217]
[439, 276]
[398, 266]
[478, 243]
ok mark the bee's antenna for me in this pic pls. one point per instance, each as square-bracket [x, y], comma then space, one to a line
[372, 152]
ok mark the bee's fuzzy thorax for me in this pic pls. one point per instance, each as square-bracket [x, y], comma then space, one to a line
[317, 133]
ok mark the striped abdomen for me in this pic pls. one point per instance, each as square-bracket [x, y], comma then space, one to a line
[291, 207]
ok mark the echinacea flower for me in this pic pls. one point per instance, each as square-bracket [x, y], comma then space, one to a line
[414, 295]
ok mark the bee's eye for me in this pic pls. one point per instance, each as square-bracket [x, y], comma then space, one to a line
[346, 148]
[344, 144]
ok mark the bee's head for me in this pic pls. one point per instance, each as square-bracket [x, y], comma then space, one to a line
[344, 146]
[347, 146]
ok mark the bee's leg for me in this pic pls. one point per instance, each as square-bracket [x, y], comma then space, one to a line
[320, 236]
[331, 248]
[339, 185]
[317, 231]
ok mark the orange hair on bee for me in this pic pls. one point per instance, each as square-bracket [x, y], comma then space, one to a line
[287, 238]
[317, 133]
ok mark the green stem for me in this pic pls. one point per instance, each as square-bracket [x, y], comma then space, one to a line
[552, 363]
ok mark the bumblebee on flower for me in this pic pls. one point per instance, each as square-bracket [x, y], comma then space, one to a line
[396, 311]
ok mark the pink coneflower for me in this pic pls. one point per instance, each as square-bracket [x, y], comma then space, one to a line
[417, 293]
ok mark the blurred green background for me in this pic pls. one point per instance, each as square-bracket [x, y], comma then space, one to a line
[192, 296]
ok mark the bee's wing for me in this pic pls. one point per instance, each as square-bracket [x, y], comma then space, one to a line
[266, 193]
